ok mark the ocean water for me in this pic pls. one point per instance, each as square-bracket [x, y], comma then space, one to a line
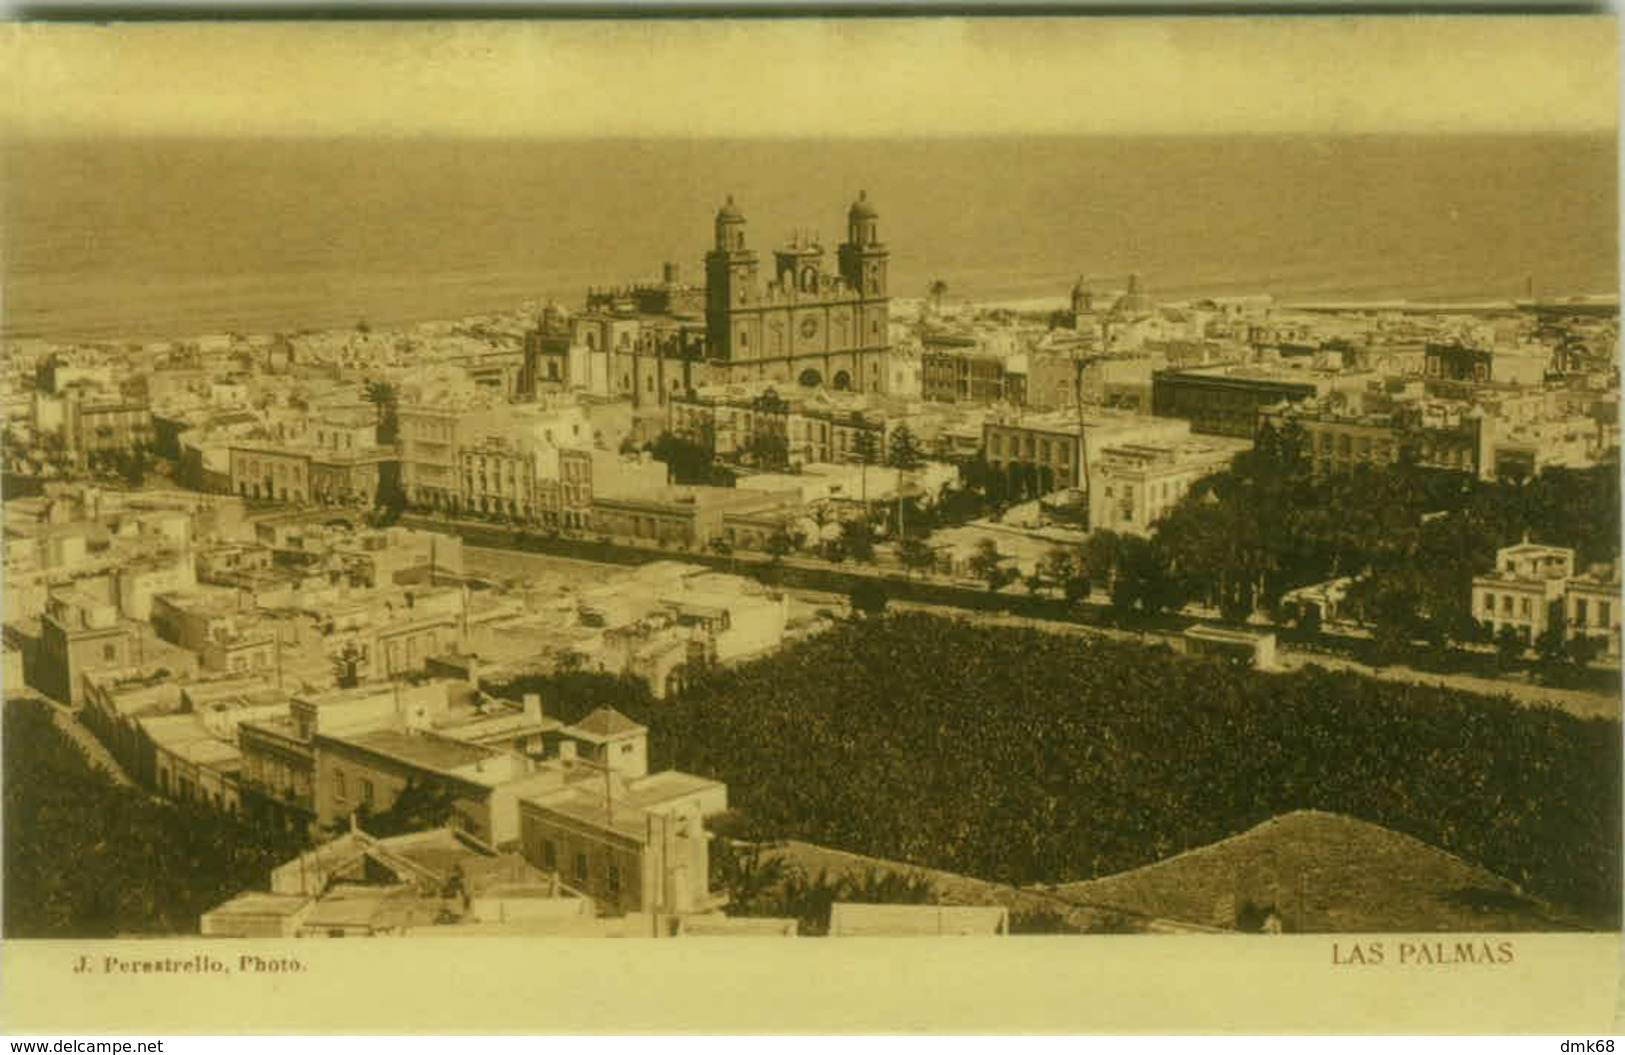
[121, 238]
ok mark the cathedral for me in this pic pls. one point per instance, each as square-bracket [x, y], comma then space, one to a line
[805, 325]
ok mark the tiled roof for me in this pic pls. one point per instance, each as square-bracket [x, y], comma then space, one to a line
[607, 722]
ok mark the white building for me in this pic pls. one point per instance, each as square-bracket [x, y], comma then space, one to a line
[1534, 586]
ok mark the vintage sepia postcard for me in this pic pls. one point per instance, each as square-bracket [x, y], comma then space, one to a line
[1042, 524]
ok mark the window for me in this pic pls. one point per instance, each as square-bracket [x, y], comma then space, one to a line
[614, 880]
[1580, 612]
[1523, 607]
[581, 868]
[366, 792]
[1489, 603]
[550, 855]
[1604, 613]
[109, 652]
[338, 785]
[626, 749]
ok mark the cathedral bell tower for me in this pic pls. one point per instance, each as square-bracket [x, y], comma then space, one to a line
[863, 260]
[863, 257]
[730, 280]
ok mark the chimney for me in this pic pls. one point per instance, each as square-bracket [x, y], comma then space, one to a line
[533, 708]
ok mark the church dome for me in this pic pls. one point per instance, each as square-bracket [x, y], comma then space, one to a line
[863, 208]
[730, 211]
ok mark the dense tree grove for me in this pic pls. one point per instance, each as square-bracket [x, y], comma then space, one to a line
[571, 695]
[88, 858]
[1243, 537]
[1021, 756]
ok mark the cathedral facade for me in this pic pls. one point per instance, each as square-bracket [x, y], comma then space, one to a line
[806, 324]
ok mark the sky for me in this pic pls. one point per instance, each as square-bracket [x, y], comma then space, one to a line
[814, 78]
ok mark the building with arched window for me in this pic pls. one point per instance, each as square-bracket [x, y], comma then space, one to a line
[807, 325]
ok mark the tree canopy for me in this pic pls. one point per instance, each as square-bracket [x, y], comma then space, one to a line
[1022, 756]
[421, 805]
[382, 395]
[1242, 538]
[903, 450]
[87, 858]
[690, 461]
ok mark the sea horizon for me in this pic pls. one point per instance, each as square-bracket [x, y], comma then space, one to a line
[165, 238]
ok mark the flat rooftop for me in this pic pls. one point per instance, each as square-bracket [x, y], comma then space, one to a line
[428, 752]
[1255, 372]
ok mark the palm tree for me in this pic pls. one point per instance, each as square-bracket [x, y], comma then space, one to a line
[745, 875]
[875, 886]
[382, 395]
